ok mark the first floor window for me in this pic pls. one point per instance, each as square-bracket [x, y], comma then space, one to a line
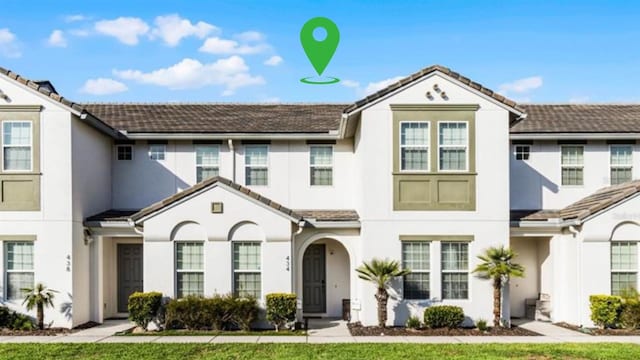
[157, 152]
[624, 266]
[124, 152]
[455, 270]
[572, 165]
[189, 269]
[207, 161]
[246, 269]
[621, 161]
[19, 268]
[415, 257]
[16, 145]
[453, 143]
[414, 146]
[321, 163]
[256, 165]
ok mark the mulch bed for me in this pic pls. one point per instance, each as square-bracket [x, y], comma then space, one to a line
[598, 331]
[358, 330]
[35, 332]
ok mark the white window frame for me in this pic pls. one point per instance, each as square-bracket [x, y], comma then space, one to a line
[466, 146]
[201, 165]
[124, 146]
[19, 146]
[153, 152]
[313, 166]
[571, 166]
[22, 271]
[266, 166]
[426, 272]
[618, 166]
[457, 271]
[235, 271]
[190, 271]
[427, 146]
[624, 271]
[526, 155]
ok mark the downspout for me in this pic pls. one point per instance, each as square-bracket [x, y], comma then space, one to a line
[301, 224]
[233, 159]
[135, 228]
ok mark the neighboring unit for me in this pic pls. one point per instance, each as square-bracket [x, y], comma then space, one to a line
[100, 200]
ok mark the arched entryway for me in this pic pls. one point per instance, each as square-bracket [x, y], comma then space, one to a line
[325, 278]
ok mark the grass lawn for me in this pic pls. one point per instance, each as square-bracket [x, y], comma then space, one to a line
[217, 333]
[324, 351]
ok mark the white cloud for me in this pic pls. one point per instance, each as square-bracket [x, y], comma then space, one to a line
[350, 83]
[8, 44]
[57, 39]
[521, 86]
[375, 86]
[75, 18]
[172, 29]
[218, 46]
[579, 99]
[125, 29]
[103, 86]
[275, 60]
[231, 73]
[250, 36]
[271, 100]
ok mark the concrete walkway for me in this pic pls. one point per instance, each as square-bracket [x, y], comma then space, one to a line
[322, 332]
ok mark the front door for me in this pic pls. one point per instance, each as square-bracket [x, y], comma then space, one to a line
[314, 293]
[129, 273]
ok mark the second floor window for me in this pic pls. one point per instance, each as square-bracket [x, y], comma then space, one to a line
[522, 152]
[321, 163]
[16, 145]
[414, 146]
[572, 165]
[256, 160]
[124, 152]
[621, 164]
[157, 152]
[453, 143]
[207, 162]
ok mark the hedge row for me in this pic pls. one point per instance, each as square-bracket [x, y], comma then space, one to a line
[609, 311]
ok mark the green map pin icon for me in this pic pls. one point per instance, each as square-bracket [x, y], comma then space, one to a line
[319, 52]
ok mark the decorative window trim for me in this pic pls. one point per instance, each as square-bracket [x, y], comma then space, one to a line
[466, 146]
[187, 271]
[612, 166]
[158, 152]
[426, 146]
[326, 167]
[564, 166]
[30, 146]
[264, 166]
[124, 146]
[21, 271]
[212, 166]
[235, 271]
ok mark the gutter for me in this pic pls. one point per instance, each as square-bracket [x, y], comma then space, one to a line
[573, 136]
[332, 135]
[333, 224]
[101, 126]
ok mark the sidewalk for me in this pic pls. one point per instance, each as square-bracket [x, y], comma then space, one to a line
[323, 332]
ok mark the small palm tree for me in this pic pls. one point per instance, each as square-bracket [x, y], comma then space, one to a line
[497, 265]
[39, 296]
[381, 272]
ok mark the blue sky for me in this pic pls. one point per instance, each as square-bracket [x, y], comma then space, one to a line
[249, 51]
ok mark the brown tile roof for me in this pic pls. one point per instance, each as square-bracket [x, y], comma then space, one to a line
[583, 208]
[424, 72]
[579, 118]
[329, 215]
[220, 118]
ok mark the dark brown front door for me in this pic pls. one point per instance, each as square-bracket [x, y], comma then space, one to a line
[314, 293]
[129, 273]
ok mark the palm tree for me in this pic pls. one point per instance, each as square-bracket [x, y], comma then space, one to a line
[39, 296]
[381, 272]
[497, 265]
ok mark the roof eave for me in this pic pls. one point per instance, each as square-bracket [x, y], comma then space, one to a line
[573, 135]
[332, 135]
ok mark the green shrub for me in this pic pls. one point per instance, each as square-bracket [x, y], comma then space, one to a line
[281, 309]
[630, 314]
[482, 325]
[605, 310]
[10, 319]
[414, 322]
[144, 307]
[220, 312]
[443, 316]
[190, 312]
[245, 312]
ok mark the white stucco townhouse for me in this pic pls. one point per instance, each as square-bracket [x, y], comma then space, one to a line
[100, 200]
